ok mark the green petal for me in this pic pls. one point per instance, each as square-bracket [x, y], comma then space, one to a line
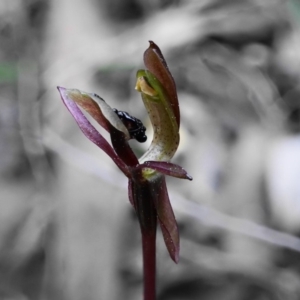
[166, 132]
[156, 64]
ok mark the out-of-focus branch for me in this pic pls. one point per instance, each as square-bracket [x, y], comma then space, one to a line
[201, 213]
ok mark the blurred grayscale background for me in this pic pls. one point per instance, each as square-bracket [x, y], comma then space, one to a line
[67, 230]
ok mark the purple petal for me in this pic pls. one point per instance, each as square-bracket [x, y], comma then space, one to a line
[98, 109]
[167, 219]
[167, 168]
[122, 148]
[90, 132]
[130, 193]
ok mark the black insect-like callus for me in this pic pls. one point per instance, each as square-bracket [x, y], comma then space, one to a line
[134, 125]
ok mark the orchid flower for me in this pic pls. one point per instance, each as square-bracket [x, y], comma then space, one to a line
[147, 189]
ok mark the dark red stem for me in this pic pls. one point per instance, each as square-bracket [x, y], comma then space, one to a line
[149, 260]
[144, 198]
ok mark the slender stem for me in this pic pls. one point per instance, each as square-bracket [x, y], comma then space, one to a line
[149, 260]
[143, 197]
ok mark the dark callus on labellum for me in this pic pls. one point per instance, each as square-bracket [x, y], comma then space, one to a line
[134, 125]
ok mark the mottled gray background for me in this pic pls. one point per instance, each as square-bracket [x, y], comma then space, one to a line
[67, 230]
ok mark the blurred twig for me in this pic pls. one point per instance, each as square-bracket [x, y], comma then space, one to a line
[199, 212]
